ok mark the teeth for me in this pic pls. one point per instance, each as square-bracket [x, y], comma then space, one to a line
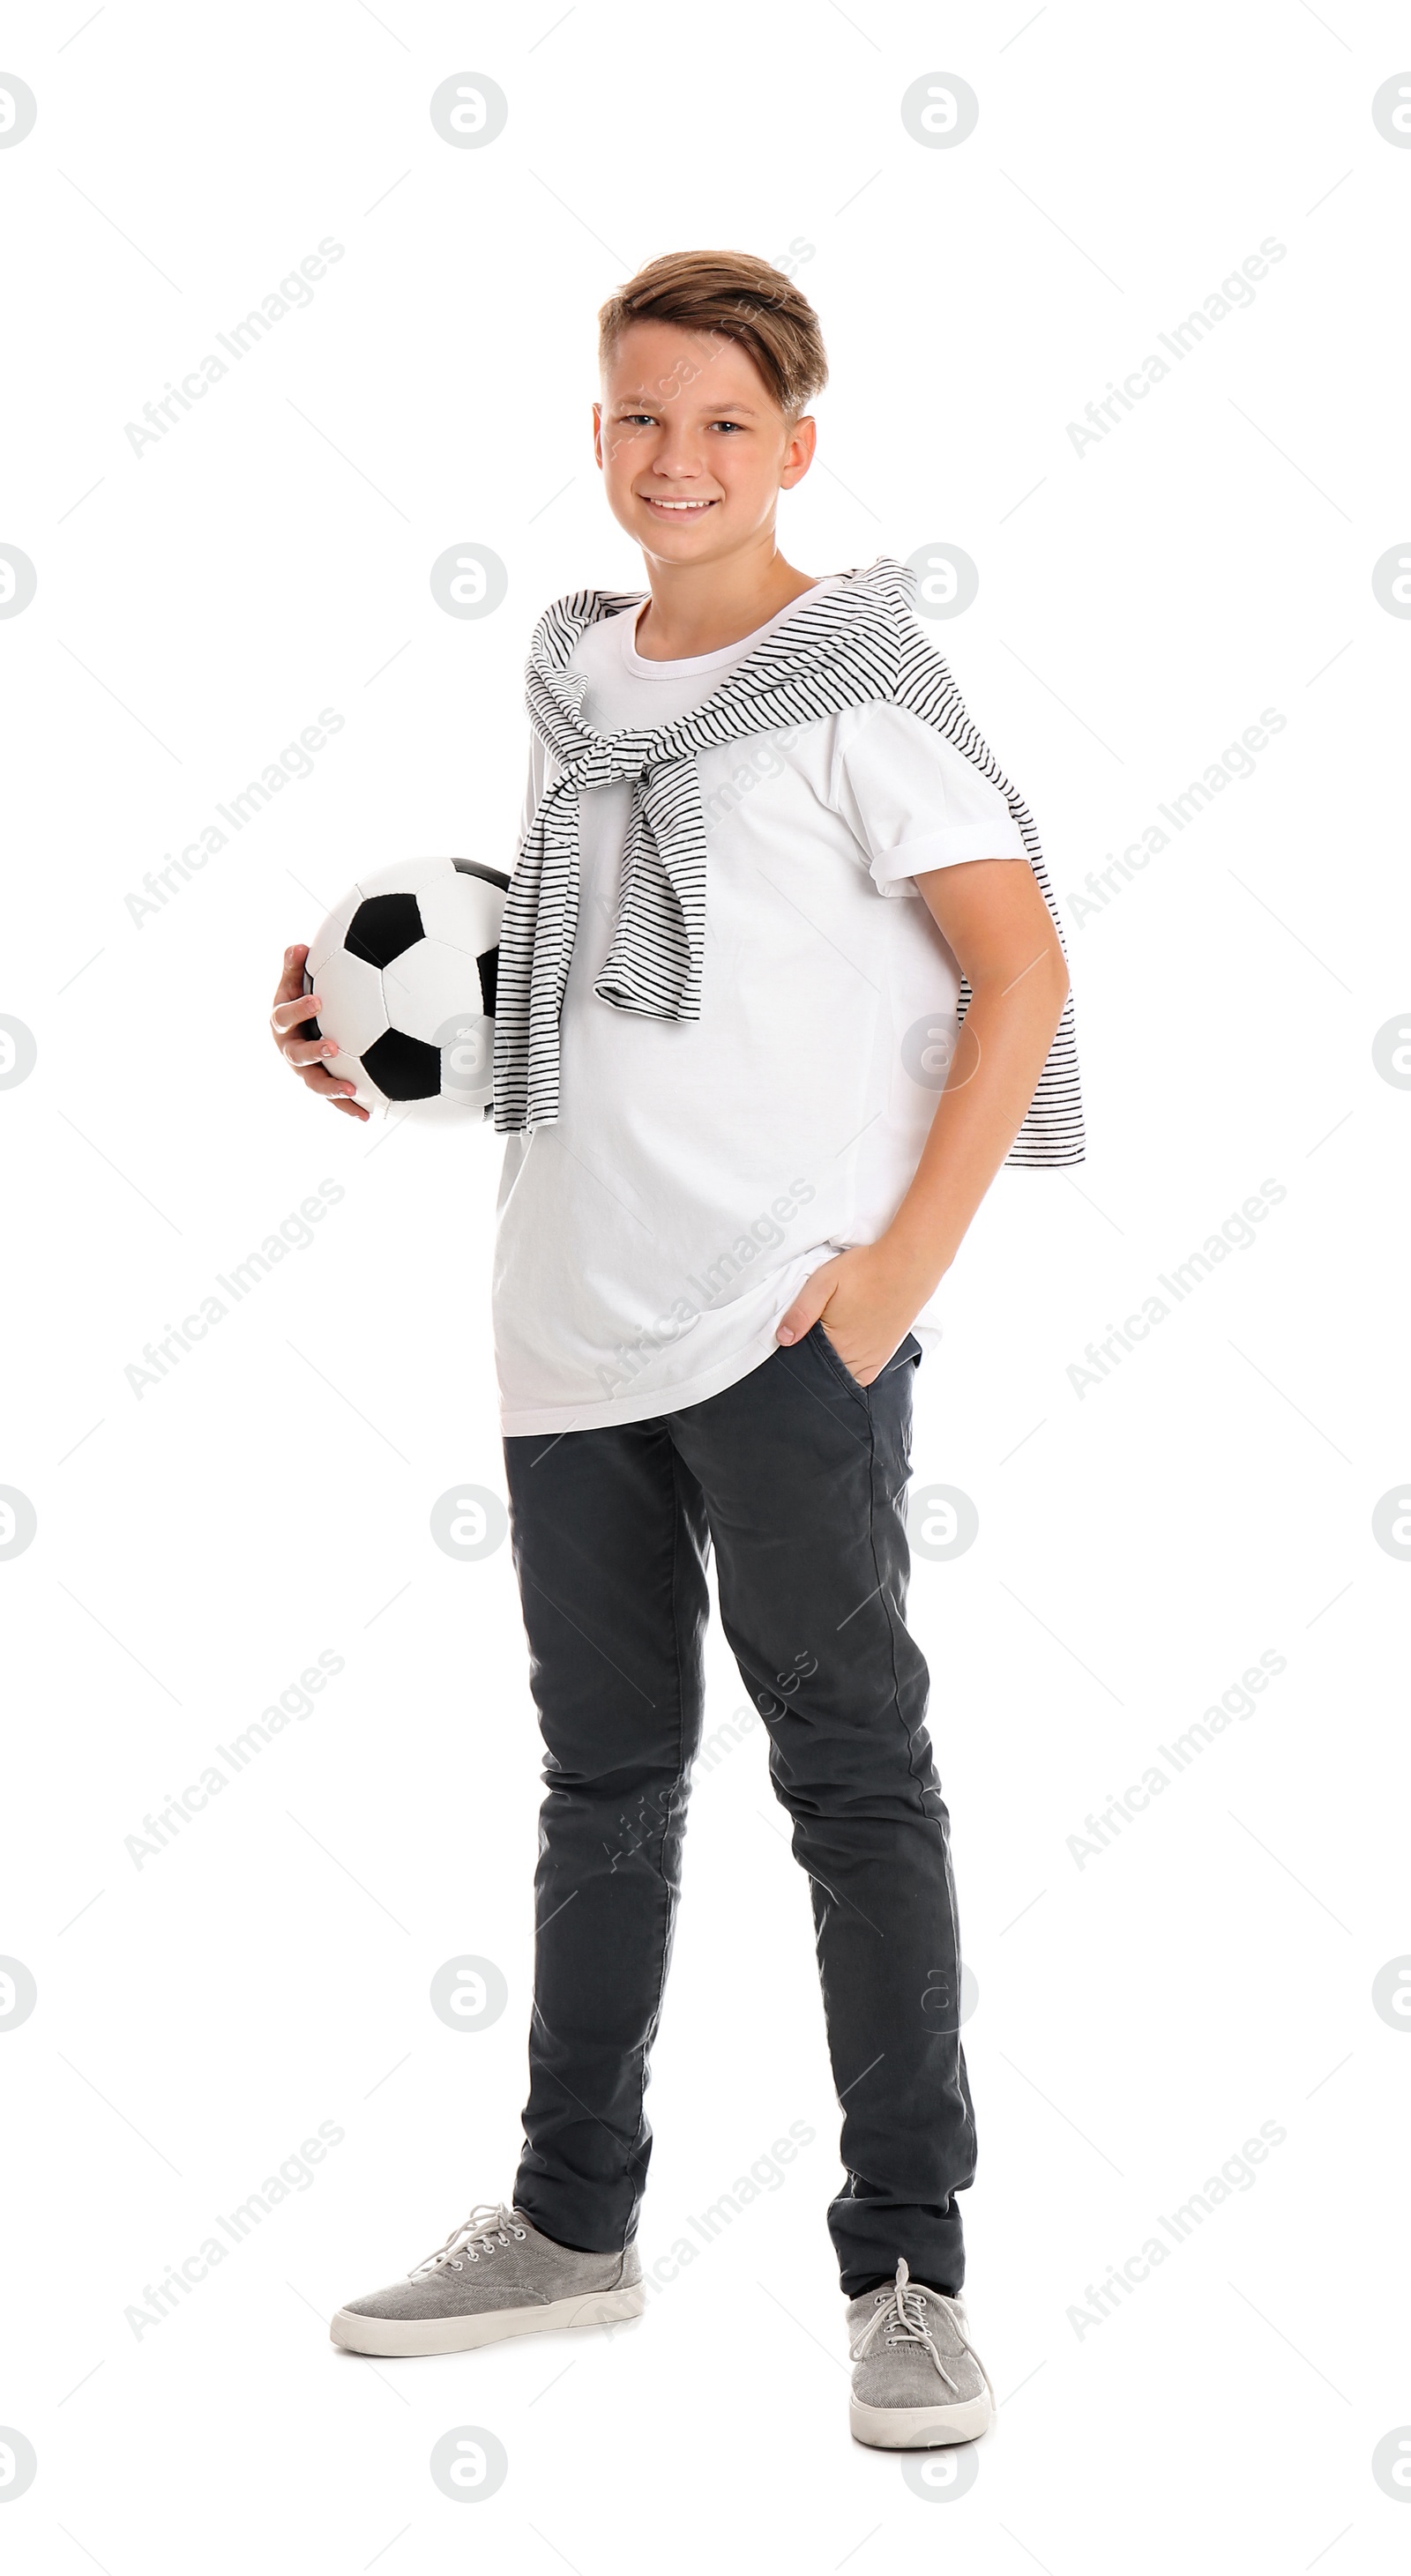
[679, 505]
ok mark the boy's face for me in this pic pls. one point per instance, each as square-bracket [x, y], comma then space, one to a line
[693, 447]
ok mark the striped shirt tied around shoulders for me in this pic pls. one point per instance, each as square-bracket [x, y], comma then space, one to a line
[854, 644]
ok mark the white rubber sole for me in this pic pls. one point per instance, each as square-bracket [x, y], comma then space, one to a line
[919, 2428]
[403, 2338]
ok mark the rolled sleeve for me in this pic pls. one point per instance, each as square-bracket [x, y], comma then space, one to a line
[913, 800]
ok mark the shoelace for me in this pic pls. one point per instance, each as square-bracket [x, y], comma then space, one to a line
[900, 2317]
[489, 2224]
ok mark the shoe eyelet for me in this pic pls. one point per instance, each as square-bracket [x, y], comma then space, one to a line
[455, 2265]
[519, 2232]
[472, 2258]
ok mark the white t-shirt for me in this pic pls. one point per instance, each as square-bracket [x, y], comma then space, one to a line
[651, 1238]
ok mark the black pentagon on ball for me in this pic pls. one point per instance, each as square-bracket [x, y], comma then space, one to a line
[382, 927]
[403, 1068]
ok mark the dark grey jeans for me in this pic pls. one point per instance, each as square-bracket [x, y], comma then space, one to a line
[797, 1475]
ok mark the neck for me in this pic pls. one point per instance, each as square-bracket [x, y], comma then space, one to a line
[700, 608]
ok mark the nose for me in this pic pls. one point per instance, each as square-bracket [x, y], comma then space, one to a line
[677, 468]
[678, 458]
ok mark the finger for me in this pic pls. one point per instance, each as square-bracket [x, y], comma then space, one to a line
[302, 1051]
[808, 1305]
[291, 980]
[858, 1369]
[350, 1107]
[326, 1084]
[289, 1013]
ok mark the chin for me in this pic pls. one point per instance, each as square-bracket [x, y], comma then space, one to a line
[687, 542]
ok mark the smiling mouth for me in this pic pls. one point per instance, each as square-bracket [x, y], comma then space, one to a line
[678, 509]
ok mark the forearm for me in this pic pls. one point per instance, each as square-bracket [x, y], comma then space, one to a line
[1003, 1046]
[997, 926]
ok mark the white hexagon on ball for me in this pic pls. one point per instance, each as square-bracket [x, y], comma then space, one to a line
[347, 1068]
[463, 910]
[427, 985]
[354, 1010]
[467, 1044]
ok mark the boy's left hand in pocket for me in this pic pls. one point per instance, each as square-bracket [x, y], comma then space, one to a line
[863, 1302]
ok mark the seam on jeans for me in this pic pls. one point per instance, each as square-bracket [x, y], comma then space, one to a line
[676, 1521]
[892, 1623]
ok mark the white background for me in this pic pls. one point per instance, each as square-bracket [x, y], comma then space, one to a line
[1139, 1545]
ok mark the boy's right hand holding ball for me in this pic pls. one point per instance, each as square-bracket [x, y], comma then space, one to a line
[297, 1040]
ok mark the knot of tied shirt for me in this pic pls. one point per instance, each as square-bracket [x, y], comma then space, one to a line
[617, 757]
[663, 856]
[655, 963]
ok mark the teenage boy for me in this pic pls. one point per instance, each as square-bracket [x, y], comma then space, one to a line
[780, 988]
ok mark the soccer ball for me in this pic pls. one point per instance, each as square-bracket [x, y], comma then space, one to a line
[405, 970]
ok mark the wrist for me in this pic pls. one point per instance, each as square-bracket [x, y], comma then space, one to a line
[909, 1265]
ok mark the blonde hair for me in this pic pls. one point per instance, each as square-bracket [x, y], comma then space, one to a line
[740, 298]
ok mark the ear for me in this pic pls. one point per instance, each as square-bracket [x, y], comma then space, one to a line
[799, 453]
[598, 433]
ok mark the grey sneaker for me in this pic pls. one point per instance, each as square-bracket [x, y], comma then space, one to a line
[918, 2379]
[494, 2276]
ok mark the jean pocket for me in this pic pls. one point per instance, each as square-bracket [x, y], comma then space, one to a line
[835, 1361]
[908, 1353]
